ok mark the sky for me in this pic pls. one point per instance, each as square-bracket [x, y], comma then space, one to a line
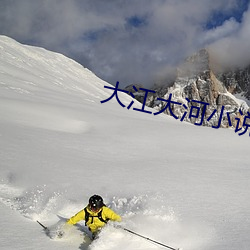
[132, 41]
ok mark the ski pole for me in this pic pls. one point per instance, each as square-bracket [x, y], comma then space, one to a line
[146, 238]
[45, 228]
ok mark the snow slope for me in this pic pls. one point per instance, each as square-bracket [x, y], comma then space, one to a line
[183, 185]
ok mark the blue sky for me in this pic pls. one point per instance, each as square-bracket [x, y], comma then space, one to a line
[218, 17]
[131, 41]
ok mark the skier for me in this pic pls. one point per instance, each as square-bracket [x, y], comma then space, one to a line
[95, 214]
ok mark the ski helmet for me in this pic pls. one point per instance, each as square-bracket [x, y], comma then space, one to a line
[95, 202]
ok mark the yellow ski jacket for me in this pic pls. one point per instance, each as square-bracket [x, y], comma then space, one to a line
[94, 223]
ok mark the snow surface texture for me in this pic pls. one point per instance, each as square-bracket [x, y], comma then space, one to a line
[179, 184]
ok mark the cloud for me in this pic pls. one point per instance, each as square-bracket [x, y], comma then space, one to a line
[233, 49]
[228, 28]
[128, 41]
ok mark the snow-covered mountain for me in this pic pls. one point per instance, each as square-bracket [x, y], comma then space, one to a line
[199, 84]
[182, 185]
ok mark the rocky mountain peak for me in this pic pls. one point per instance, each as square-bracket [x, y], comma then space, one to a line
[197, 64]
[196, 85]
[197, 81]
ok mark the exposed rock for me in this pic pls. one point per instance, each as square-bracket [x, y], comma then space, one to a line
[237, 81]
